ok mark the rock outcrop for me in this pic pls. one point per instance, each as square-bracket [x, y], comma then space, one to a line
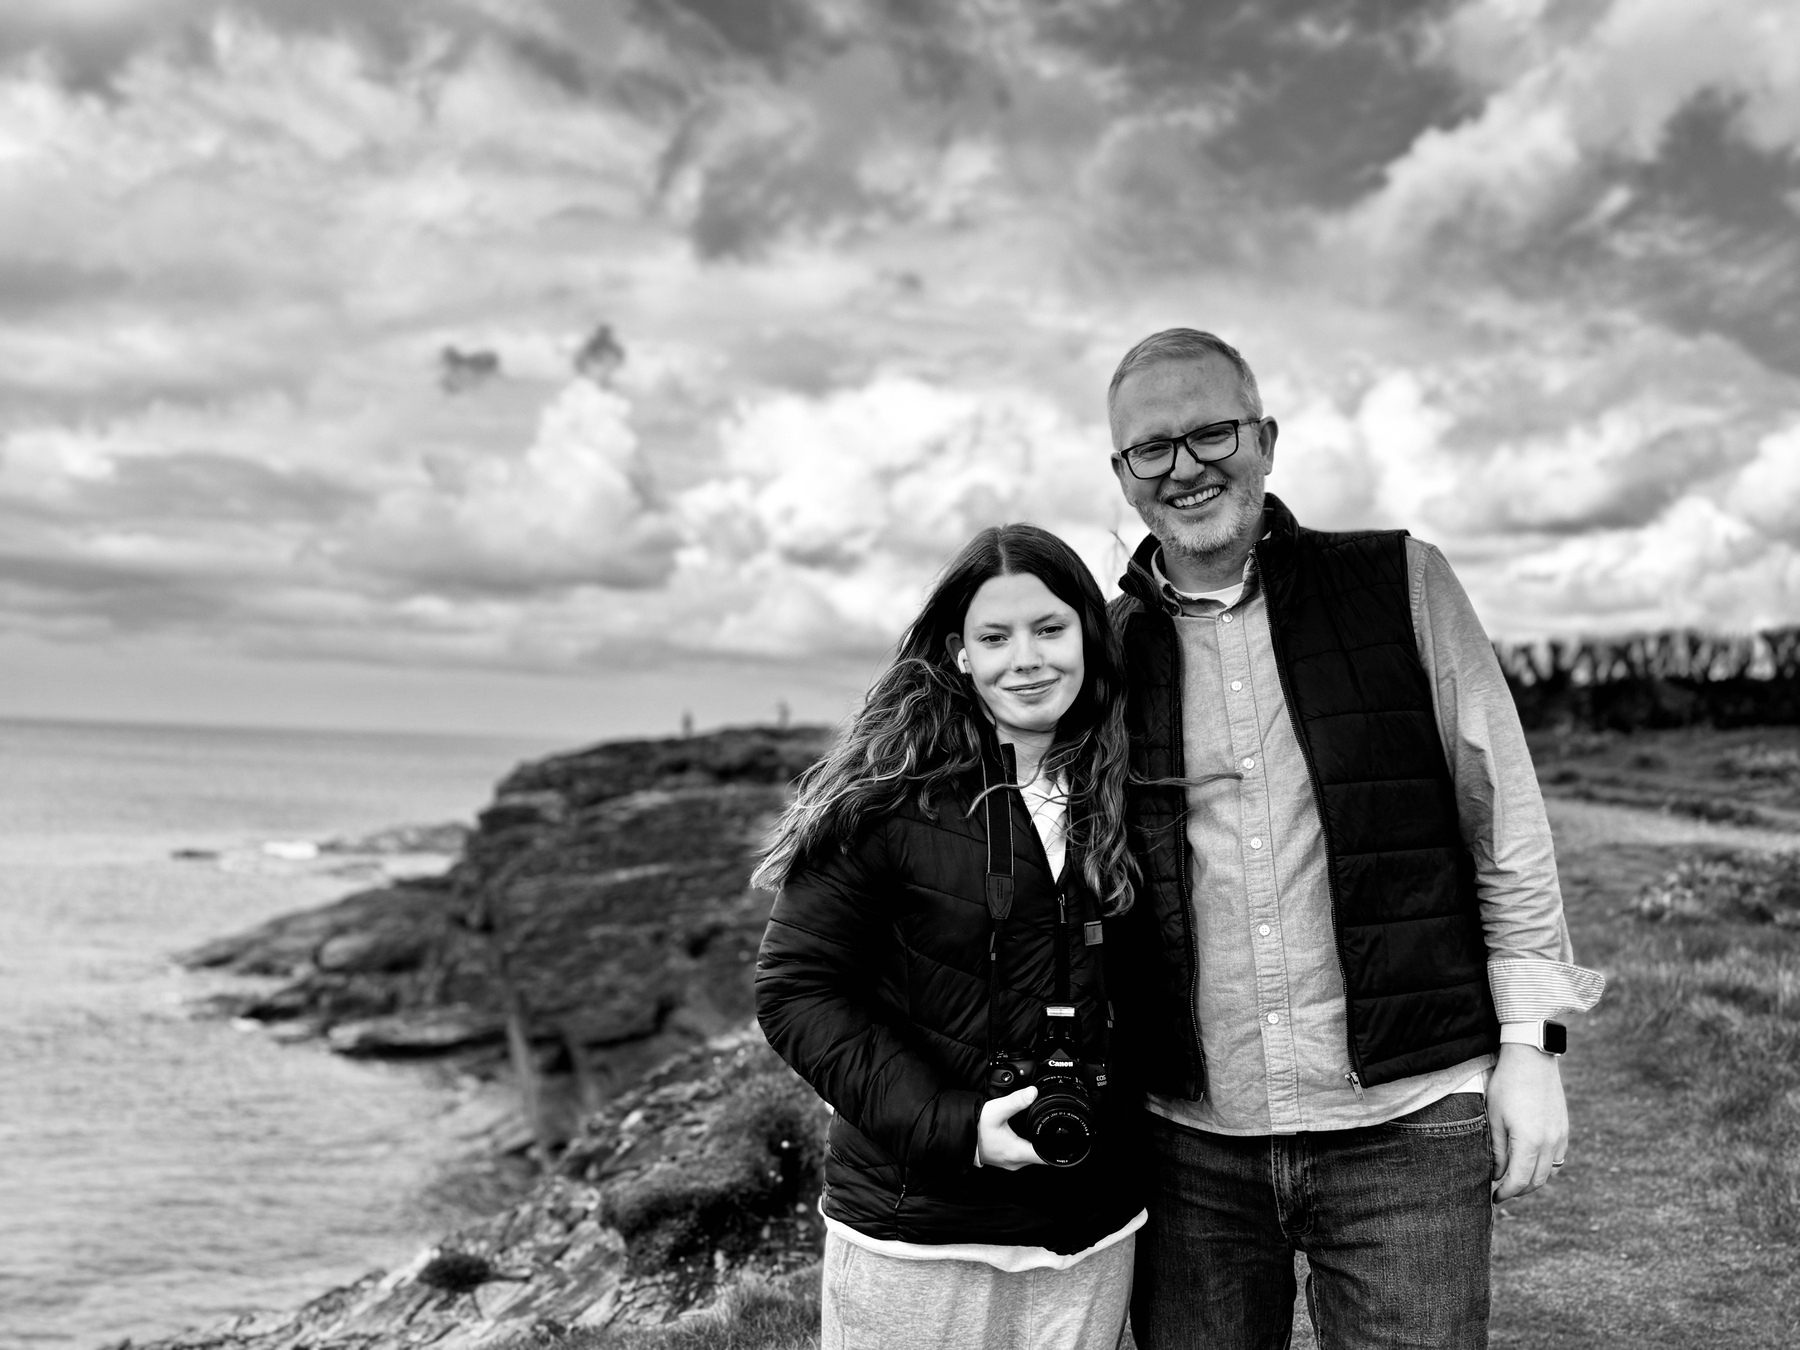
[603, 900]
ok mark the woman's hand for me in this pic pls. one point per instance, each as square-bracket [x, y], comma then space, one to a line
[997, 1145]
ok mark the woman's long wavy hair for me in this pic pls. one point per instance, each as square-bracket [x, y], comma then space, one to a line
[919, 728]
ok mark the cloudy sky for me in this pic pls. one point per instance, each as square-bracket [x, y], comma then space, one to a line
[1522, 276]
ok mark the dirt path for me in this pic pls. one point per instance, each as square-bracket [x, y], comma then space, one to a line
[1635, 1244]
[1582, 827]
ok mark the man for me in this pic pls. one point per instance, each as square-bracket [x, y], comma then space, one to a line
[1349, 929]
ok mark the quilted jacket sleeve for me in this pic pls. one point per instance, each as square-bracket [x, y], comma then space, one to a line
[815, 977]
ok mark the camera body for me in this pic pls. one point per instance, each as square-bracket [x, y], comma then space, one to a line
[1062, 1123]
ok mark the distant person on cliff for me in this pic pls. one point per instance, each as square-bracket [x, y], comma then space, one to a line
[1348, 942]
[934, 968]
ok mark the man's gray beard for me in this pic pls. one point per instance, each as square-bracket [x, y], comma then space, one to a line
[1204, 543]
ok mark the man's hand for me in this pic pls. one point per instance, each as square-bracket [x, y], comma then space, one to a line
[997, 1144]
[1527, 1119]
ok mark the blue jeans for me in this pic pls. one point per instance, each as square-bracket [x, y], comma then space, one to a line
[1394, 1220]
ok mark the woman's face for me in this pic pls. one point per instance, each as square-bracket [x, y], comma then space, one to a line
[1023, 651]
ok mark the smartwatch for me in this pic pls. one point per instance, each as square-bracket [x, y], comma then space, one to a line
[1550, 1037]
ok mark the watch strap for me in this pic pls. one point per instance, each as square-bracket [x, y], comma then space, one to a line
[1550, 1037]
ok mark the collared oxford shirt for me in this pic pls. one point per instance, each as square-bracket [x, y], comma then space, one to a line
[1270, 990]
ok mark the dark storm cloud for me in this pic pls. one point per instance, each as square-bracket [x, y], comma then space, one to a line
[87, 50]
[1713, 234]
[773, 32]
[1704, 236]
[87, 47]
[31, 285]
[1316, 97]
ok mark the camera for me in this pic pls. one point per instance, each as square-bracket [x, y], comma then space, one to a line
[1061, 1122]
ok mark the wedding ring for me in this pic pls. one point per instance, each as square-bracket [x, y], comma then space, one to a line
[1559, 1164]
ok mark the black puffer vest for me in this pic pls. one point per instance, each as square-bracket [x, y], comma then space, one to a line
[1408, 927]
[872, 982]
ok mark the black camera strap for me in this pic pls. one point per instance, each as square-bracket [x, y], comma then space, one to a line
[1000, 836]
[998, 800]
[1062, 940]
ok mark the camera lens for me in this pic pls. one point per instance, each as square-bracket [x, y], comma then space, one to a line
[1060, 1126]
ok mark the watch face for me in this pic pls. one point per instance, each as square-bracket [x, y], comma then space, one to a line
[1556, 1038]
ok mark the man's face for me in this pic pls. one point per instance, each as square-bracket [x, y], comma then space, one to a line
[1196, 509]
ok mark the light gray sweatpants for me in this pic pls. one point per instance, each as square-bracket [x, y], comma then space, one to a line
[876, 1302]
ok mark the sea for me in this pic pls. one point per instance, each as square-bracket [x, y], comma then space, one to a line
[162, 1170]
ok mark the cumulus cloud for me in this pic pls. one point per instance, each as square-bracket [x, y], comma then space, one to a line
[1575, 96]
[841, 508]
[1519, 277]
[1696, 565]
[573, 508]
[1767, 490]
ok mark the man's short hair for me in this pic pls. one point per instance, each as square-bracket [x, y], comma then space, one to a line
[1187, 344]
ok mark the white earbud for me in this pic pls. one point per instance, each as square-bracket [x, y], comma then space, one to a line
[962, 662]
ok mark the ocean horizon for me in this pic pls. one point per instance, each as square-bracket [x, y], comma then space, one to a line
[164, 1170]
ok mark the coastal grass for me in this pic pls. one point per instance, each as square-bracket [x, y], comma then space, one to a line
[1710, 983]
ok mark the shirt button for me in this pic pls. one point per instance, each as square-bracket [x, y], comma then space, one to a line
[1274, 1018]
[1264, 930]
[1249, 763]
[1225, 617]
[1256, 841]
[1236, 685]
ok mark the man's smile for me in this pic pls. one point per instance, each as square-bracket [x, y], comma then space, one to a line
[1204, 493]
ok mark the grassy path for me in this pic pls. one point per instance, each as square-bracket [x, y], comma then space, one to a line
[1640, 1242]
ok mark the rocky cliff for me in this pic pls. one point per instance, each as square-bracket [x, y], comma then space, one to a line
[603, 900]
[598, 932]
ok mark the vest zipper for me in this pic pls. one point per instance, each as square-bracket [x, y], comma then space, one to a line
[1354, 1074]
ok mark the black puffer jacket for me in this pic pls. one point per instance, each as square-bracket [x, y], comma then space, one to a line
[873, 983]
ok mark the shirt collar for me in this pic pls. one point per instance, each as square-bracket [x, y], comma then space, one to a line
[1180, 602]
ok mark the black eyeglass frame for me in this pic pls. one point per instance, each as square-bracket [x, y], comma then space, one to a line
[1185, 441]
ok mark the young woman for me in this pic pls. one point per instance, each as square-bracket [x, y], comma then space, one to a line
[934, 968]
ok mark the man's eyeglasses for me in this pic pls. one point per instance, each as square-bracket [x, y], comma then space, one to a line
[1208, 445]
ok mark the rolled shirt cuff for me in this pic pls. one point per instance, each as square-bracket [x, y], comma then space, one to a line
[1529, 990]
